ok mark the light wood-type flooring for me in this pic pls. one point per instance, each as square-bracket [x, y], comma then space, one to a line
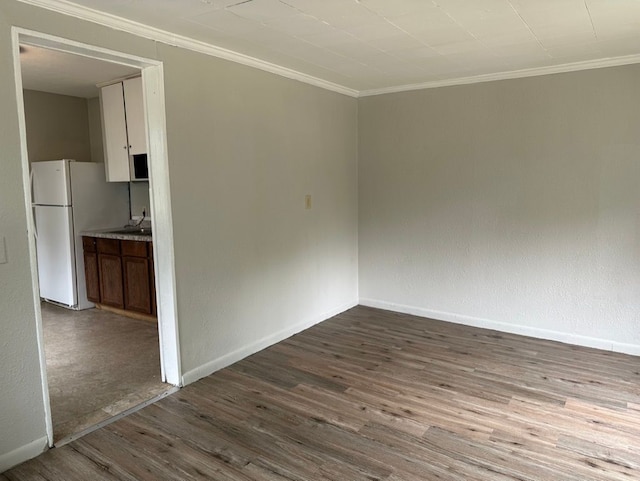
[99, 364]
[374, 395]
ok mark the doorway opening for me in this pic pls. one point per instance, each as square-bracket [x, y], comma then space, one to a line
[64, 329]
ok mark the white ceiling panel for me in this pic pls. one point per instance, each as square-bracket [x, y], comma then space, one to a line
[300, 24]
[386, 8]
[379, 44]
[444, 36]
[225, 20]
[416, 55]
[432, 18]
[332, 38]
[263, 11]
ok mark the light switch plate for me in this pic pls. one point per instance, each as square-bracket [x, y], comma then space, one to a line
[3, 251]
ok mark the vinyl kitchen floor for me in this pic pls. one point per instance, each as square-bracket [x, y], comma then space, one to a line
[99, 364]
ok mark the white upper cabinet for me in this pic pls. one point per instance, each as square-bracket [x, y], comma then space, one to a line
[114, 126]
[134, 108]
[124, 126]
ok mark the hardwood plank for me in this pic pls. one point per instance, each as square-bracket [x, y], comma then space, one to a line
[376, 395]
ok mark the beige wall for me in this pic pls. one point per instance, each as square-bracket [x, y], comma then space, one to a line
[95, 129]
[22, 419]
[245, 147]
[511, 204]
[252, 264]
[57, 127]
[139, 198]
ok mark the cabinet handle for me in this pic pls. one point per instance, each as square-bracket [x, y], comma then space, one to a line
[125, 147]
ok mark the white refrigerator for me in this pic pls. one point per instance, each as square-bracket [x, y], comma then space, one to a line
[68, 198]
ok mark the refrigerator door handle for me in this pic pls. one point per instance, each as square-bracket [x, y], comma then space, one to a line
[33, 219]
[31, 183]
[33, 207]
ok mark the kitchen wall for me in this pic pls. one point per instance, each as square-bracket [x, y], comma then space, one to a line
[139, 198]
[513, 205]
[252, 264]
[57, 127]
[95, 129]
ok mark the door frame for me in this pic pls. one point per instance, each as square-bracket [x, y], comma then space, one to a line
[160, 198]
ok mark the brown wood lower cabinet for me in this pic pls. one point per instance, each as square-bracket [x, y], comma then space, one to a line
[152, 279]
[110, 272]
[137, 276]
[137, 292]
[111, 285]
[91, 276]
[119, 273]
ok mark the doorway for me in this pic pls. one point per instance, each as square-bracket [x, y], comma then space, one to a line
[153, 89]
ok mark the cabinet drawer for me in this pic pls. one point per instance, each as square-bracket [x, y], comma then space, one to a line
[133, 248]
[88, 244]
[108, 246]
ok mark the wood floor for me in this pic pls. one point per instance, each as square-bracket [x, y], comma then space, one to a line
[373, 395]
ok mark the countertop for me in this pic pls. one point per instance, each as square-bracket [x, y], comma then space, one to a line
[112, 234]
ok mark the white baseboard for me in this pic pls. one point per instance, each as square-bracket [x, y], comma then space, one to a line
[565, 337]
[223, 361]
[23, 453]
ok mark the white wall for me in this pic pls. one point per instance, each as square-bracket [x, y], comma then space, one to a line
[512, 204]
[245, 148]
[22, 420]
[95, 129]
[57, 127]
[252, 264]
[139, 198]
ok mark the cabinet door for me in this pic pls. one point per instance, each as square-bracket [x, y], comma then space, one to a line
[92, 280]
[134, 108]
[114, 128]
[137, 289]
[152, 281]
[111, 288]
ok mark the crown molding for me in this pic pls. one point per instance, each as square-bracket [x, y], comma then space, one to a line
[145, 31]
[514, 74]
[66, 7]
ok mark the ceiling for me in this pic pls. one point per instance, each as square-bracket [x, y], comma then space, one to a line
[368, 45]
[66, 74]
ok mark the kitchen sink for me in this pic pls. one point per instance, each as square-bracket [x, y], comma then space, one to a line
[133, 230]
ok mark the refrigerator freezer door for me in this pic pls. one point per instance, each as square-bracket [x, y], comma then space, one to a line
[56, 254]
[51, 182]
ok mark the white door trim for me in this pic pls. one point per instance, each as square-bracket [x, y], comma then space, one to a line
[153, 87]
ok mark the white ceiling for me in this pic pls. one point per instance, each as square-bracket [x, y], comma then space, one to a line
[366, 45]
[66, 74]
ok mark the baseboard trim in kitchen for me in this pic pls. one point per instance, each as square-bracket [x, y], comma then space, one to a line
[546, 334]
[130, 314]
[115, 418]
[226, 360]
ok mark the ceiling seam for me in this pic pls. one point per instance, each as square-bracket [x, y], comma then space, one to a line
[593, 27]
[526, 24]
